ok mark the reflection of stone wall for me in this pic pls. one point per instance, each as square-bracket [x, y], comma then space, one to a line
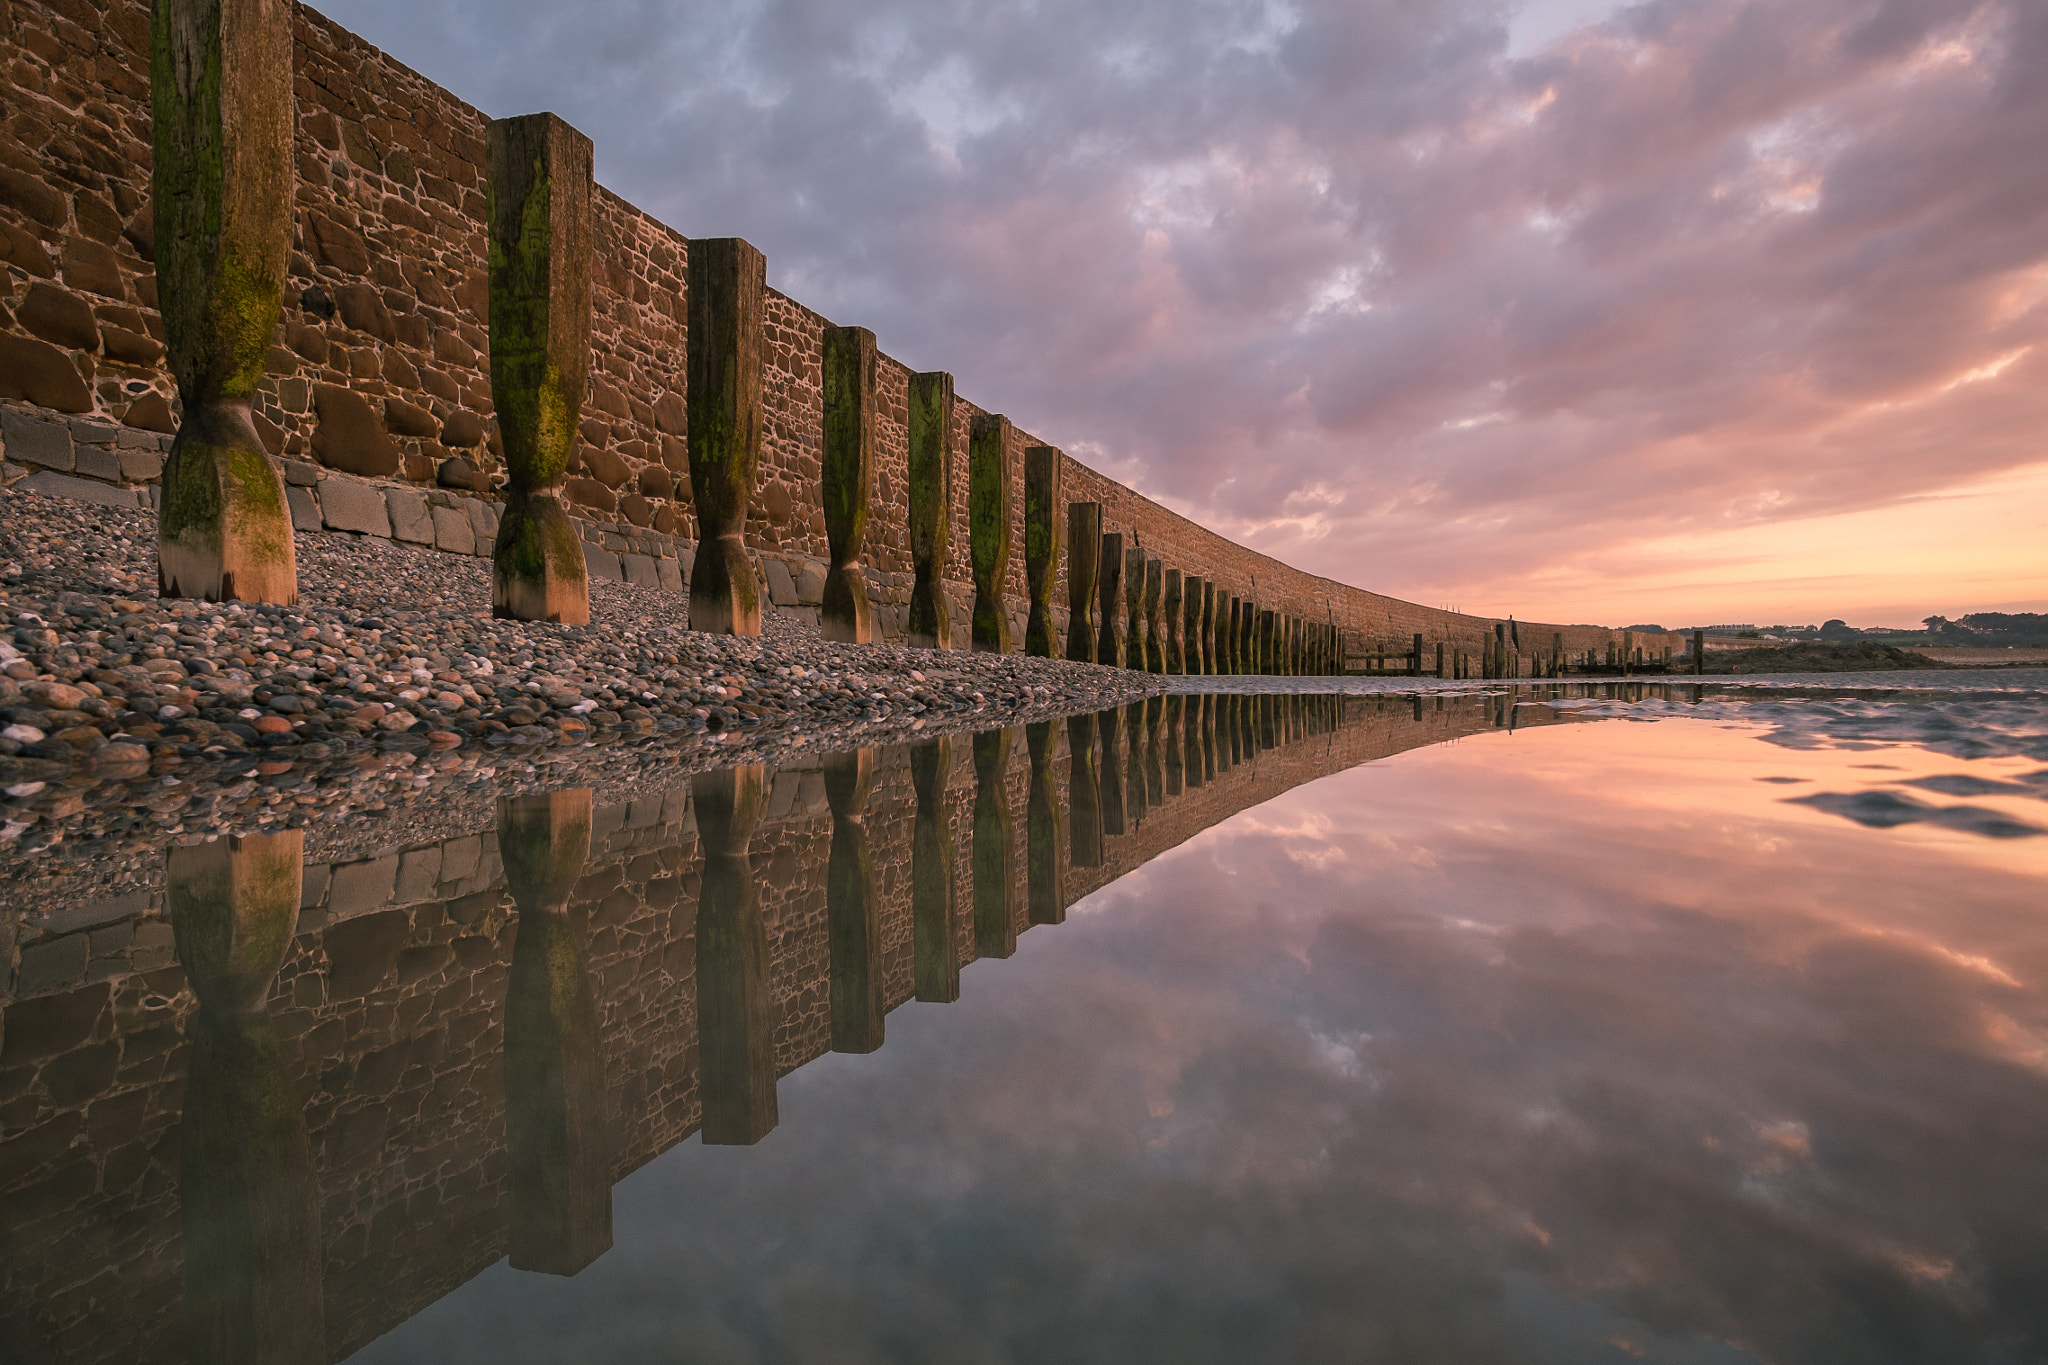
[379, 370]
[390, 1004]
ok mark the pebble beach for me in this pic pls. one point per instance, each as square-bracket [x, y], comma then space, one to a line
[245, 715]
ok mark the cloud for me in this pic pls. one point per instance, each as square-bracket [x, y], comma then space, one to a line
[1701, 266]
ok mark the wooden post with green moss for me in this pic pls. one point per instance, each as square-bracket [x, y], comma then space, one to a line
[853, 906]
[1137, 646]
[1043, 518]
[847, 481]
[539, 224]
[249, 1202]
[736, 1010]
[988, 528]
[1155, 641]
[1191, 590]
[1205, 625]
[557, 1132]
[728, 284]
[1109, 643]
[221, 184]
[931, 508]
[1169, 622]
[1084, 570]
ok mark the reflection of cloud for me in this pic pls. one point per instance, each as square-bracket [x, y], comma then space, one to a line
[1767, 1123]
[1889, 810]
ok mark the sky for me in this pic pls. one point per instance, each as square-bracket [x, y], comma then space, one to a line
[1685, 312]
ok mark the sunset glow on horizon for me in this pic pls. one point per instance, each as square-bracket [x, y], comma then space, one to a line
[1684, 311]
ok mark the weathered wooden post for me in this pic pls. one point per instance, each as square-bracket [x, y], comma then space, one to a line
[1269, 623]
[988, 528]
[1135, 644]
[931, 508]
[1440, 658]
[1206, 628]
[1170, 621]
[1045, 844]
[1043, 520]
[995, 870]
[221, 183]
[1415, 659]
[847, 481]
[1109, 645]
[1233, 650]
[1084, 569]
[249, 1203]
[1557, 654]
[1084, 796]
[557, 1131]
[1699, 652]
[853, 908]
[1628, 642]
[1191, 624]
[935, 961]
[736, 1012]
[728, 284]
[1155, 641]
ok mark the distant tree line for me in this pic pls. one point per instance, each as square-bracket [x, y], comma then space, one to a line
[1991, 628]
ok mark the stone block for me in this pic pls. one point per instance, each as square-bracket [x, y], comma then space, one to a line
[409, 519]
[313, 884]
[132, 439]
[300, 474]
[97, 462]
[459, 858]
[79, 490]
[346, 505]
[810, 584]
[482, 519]
[87, 432]
[452, 531]
[47, 966]
[30, 441]
[669, 574]
[601, 563]
[363, 886]
[419, 871]
[305, 511]
[139, 466]
[639, 569]
[781, 587]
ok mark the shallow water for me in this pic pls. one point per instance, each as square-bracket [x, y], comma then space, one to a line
[1534, 1025]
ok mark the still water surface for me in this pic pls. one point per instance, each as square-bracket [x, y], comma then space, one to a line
[1296, 1030]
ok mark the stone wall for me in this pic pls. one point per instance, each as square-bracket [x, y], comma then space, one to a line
[379, 370]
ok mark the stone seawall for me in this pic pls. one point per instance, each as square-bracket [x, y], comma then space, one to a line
[390, 1007]
[378, 376]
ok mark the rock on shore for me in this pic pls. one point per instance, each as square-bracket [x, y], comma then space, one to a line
[393, 650]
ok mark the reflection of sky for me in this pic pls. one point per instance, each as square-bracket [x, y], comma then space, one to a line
[1579, 1044]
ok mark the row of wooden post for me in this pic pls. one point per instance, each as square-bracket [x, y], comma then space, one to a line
[226, 533]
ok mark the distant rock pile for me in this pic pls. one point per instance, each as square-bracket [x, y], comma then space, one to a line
[1848, 657]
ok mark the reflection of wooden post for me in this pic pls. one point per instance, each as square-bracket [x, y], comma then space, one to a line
[988, 528]
[735, 1013]
[995, 872]
[557, 1131]
[1043, 523]
[1137, 646]
[728, 311]
[1139, 789]
[847, 481]
[931, 508]
[935, 959]
[1084, 560]
[1172, 751]
[1084, 797]
[1109, 726]
[249, 1203]
[540, 283]
[222, 118]
[1045, 853]
[1192, 774]
[852, 906]
[1109, 645]
[1155, 758]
